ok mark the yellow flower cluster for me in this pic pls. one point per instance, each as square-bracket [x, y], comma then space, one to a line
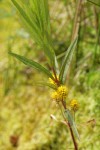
[60, 93]
[55, 96]
[74, 105]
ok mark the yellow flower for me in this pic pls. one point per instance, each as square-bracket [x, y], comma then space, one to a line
[74, 105]
[62, 91]
[55, 96]
[52, 81]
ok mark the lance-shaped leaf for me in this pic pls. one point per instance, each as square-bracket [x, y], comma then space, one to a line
[72, 123]
[67, 60]
[32, 64]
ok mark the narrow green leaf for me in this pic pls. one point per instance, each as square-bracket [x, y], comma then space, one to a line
[67, 61]
[56, 66]
[23, 13]
[32, 64]
[48, 85]
[72, 123]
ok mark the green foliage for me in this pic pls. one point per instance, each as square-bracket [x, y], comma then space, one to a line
[67, 60]
[35, 15]
[32, 64]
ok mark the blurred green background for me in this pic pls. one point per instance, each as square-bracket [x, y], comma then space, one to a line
[25, 108]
